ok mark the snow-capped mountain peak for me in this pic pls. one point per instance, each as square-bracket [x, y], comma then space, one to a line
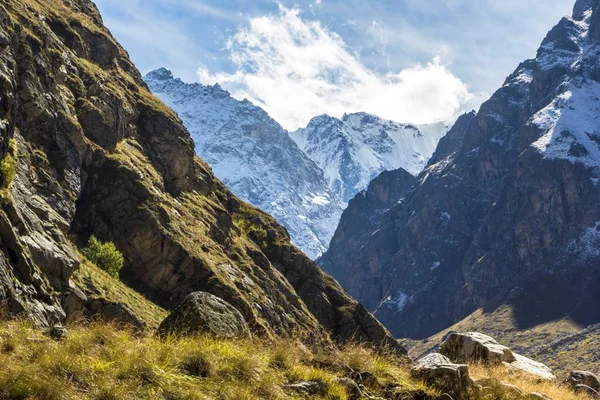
[353, 150]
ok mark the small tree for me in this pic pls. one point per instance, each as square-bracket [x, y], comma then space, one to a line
[104, 255]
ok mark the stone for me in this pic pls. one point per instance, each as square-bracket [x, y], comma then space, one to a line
[57, 332]
[474, 347]
[203, 312]
[537, 396]
[531, 367]
[587, 391]
[307, 388]
[582, 378]
[439, 372]
[351, 388]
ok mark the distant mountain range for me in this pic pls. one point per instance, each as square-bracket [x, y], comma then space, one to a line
[304, 179]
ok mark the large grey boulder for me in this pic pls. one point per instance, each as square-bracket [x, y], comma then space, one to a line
[474, 347]
[203, 312]
[438, 371]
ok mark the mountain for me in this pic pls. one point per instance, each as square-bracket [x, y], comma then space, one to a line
[86, 150]
[362, 216]
[511, 218]
[254, 156]
[354, 150]
[366, 211]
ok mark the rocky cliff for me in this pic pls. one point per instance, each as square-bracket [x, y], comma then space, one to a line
[87, 150]
[512, 217]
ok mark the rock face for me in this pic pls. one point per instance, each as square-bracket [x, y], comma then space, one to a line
[254, 156]
[355, 149]
[438, 371]
[86, 150]
[363, 214]
[474, 347]
[204, 313]
[512, 216]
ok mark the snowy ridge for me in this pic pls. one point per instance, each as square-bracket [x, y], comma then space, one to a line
[254, 156]
[353, 150]
[570, 123]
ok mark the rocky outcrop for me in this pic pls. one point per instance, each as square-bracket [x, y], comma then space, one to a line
[204, 313]
[87, 150]
[439, 372]
[474, 347]
[512, 216]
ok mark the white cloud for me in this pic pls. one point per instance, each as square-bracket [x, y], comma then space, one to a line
[296, 69]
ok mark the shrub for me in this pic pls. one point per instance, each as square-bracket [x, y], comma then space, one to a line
[8, 165]
[104, 255]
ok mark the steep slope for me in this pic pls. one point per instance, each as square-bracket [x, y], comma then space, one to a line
[513, 215]
[254, 156]
[87, 150]
[363, 214]
[354, 150]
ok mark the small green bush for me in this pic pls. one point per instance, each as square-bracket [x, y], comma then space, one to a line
[8, 165]
[104, 255]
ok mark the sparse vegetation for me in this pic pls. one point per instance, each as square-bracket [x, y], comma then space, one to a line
[104, 255]
[97, 283]
[256, 233]
[8, 165]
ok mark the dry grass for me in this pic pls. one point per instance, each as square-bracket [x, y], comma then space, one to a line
[101, 361]
[525, 383]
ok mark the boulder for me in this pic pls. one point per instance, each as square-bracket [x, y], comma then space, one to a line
[203, 312]
[582, 378]
[474, 347]
[531, 367]
[306, 388]
[492, 388]
[438, 371]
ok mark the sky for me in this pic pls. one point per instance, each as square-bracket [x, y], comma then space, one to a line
[417, 61]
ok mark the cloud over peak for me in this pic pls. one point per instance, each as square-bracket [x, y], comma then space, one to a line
[296, 68]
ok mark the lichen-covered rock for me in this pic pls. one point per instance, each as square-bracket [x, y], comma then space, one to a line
[204, 313]
[438, 371]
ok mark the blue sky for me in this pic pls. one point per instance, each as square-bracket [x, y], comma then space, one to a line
[409, 60]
